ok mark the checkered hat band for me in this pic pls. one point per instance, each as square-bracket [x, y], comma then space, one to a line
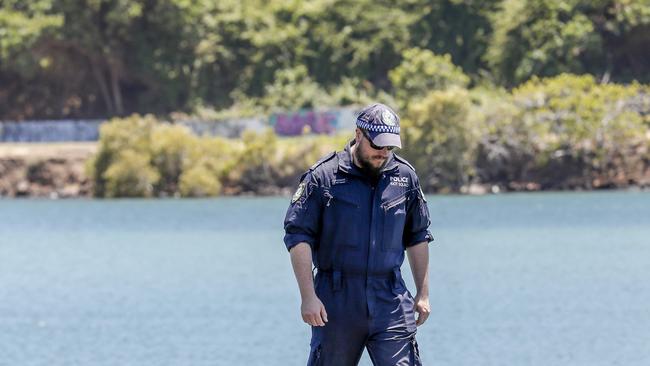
[377, 128]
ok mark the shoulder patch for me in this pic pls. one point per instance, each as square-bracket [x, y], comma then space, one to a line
[403, 161]
[299, 192]
[323, 159]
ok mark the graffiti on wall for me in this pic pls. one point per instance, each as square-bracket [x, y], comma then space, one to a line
[50, 131]
[227, 128]
[284, 124]
[310, 121]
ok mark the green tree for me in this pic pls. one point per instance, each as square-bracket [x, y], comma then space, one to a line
[546, 38]
[22, 65]
[21, 26]
[421, 72]
[293, 89]
[459, 28]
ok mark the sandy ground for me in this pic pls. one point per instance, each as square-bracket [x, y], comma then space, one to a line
[69, 150]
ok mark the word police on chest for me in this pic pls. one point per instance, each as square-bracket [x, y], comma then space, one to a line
[399, 181]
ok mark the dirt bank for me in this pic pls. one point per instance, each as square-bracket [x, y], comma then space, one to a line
[53, 170]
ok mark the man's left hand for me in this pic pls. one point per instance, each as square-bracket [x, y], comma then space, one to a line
[423, 309]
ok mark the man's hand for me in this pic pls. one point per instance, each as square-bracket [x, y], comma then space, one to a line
[313, 311]
[419, 259]
[423, 309]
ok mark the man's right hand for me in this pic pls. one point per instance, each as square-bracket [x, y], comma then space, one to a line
[313, 311]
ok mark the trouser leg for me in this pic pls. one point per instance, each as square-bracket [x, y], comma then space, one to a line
[392, 332]
[341, 341]
[395, 352]
[340, 349]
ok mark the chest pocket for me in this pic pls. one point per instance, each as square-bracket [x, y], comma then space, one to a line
[394, 215]
[341, 217]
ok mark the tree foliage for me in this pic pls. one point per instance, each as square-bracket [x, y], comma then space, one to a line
[440, 139]
[548, 37]
[421, 72]
[64, 58]
[565, 132]
[139, 156]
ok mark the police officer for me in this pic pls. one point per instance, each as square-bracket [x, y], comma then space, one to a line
[354, 215]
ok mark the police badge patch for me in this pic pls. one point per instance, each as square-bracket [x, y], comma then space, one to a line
[299, 192]
[388, 118]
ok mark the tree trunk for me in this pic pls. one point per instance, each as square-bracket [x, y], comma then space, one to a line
[101, 81]
[115, 86]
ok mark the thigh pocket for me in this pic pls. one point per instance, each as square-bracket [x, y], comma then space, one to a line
[406, 304]
[394, 212]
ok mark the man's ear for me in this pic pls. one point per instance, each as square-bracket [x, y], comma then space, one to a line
[357, 136]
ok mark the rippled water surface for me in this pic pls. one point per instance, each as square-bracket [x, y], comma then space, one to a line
[524, 279]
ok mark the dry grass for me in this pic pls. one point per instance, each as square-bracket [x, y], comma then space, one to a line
[70, 150]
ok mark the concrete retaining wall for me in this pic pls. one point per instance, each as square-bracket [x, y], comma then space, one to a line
[284, 124]
[49, 131]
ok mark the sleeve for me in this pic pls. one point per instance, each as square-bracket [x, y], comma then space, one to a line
[417, 219]
[302, 221]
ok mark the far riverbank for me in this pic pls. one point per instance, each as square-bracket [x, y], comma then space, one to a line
[58, 170]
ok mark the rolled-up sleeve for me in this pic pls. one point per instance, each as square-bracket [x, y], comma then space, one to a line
[416, 229]
[302, 221]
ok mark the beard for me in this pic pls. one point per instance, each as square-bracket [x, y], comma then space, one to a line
[366, 165]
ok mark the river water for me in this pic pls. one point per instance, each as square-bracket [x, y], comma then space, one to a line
[521, 279]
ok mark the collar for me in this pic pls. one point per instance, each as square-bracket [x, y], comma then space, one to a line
[346, 164]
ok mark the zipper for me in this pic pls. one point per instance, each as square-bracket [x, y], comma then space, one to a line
[394, 203]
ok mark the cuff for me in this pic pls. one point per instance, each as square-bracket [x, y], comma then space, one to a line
[420, 237]
[291, 240]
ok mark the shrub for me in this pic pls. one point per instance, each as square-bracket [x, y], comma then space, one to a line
[254, 168]
[130, 175]
[118, 134]
[208, 165]
[562, 132]
[439, 139]
[199, 181]
[170, 146]
[505, 150]
[582, 128]
[300, 153]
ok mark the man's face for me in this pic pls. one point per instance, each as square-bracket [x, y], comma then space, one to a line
[370, 159]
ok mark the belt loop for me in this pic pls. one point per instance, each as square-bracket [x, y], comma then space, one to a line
[336, 280]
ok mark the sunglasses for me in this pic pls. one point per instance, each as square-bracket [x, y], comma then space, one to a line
[365, 134]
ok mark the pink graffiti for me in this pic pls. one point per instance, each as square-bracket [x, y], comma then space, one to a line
[293, 123]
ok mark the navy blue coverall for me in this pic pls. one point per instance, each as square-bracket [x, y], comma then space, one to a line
[358, 230]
